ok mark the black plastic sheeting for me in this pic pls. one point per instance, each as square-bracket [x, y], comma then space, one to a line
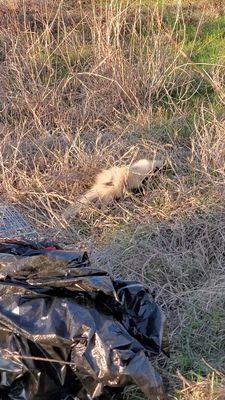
[68, 331]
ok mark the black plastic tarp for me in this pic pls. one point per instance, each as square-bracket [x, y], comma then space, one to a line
[69, 331]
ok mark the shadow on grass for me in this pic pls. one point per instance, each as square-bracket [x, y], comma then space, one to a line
[183, 261]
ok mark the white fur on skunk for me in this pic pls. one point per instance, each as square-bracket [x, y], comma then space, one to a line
[113, 183]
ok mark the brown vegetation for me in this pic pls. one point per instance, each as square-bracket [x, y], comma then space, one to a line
[85, 85]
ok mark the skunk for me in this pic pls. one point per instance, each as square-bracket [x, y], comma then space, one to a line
[113, 184]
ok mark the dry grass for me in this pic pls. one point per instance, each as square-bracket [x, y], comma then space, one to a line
[87, 85]
[204, 389]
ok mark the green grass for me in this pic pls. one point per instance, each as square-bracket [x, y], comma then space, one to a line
[208, 48]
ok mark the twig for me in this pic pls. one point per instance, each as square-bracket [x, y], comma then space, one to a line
[11, 355]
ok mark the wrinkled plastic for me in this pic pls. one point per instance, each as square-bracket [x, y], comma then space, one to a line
[68, 331]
